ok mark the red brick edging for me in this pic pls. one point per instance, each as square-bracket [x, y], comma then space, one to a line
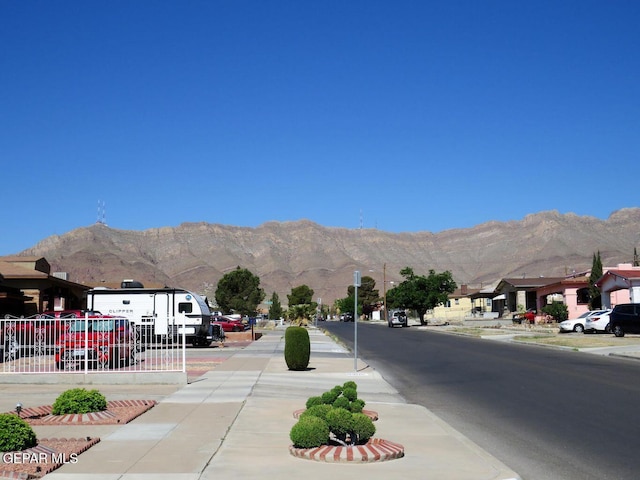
[42, 415]
[375, 450]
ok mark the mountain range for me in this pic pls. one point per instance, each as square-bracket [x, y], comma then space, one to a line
[288, 254]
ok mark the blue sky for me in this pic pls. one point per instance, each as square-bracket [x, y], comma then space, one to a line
[399, 115]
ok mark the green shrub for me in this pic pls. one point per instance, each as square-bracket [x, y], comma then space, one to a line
[309, 432]
[329, 397]
[79, 400]
[350, 393]
[350, 384]
[340, 422]
[311, 401]
[319, 411]
[557, 310]
[362, 428]
[342, 402]
[15, 433]
[297, 348]
[356, 406]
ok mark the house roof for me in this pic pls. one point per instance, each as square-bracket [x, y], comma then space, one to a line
[530, 282]
[624, 274]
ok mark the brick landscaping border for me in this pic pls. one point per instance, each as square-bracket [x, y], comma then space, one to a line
[375, 450]
[42, 415]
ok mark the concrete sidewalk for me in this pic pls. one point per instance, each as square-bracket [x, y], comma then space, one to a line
[234, 422]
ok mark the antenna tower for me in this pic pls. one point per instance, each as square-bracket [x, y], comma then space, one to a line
[102, 213]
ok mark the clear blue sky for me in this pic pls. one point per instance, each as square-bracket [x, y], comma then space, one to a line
[403, 115]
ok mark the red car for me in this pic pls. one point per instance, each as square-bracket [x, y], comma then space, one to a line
[229, 324]
[102, 341]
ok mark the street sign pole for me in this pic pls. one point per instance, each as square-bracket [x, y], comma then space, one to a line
[356, 284]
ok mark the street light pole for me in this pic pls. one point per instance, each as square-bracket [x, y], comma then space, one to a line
[384, 291]
[356, 284]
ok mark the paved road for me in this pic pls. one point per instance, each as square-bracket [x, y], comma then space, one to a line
[546, 413]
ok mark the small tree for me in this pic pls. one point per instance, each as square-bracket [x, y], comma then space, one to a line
[595, 298]
[275, 309]
[421, 293]
[239, 291]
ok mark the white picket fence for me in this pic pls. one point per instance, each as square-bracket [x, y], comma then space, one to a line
[86, 345]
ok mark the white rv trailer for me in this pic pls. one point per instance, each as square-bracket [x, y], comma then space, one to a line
[156, 311]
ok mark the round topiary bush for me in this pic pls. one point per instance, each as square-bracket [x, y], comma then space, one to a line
[311, 401]
[342, 402]
[319, 411]
[340, 422]
[350, 393]
[79, 400]
[329, 397]
[356, 406]
[362, 428]
[309, 432]
[297, 348]
[15, 433]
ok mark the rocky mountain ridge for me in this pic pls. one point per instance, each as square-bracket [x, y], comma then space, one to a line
[287, 254]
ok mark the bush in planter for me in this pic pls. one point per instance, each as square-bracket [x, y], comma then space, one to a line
[341, 411]
[319, 411]
[297, 348]
[363, 428]
[79, 400]
[15, 433]
[309, 432]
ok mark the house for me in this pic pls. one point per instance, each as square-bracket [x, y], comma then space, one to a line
[27, 288]
[620, 285]
[573, 291]
[521, 294]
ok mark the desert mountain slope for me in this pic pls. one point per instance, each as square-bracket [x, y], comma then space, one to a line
[288, 254]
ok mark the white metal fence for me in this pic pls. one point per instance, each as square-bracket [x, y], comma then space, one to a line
[89, 344]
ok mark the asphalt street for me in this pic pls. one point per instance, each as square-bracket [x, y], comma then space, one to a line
[547, 413]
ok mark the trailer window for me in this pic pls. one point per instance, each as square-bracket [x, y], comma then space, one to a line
[185, 307]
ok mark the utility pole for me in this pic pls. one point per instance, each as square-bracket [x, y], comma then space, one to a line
[356, 284]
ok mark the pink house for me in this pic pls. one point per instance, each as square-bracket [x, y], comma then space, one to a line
[572, 291]
[620, 285]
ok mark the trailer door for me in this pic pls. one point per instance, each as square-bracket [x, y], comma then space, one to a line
[161, 311]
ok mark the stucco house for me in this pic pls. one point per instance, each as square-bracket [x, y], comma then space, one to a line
[620, 285]
[27, 287]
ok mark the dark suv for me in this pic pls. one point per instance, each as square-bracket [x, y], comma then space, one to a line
[625, 318]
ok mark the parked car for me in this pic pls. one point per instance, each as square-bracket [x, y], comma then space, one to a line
[598, 322]
[102, 341]
[398, 318]
[21, 336]
[75, 313]
[625, 318]
[230, 324]
[346, 317]
[578, 324]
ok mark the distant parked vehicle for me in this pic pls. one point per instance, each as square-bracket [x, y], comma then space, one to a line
[76, 313]
[230, 324]
[346, 317]
[578, 324]
[625, 318]
[398, 318]
[598, 322]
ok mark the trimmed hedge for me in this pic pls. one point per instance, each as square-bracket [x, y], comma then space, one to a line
[79, 400]
[15, 434]
[297, 348]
